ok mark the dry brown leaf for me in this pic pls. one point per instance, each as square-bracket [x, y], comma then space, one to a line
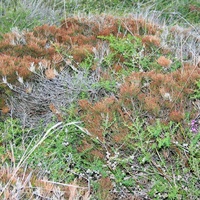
[49, 73]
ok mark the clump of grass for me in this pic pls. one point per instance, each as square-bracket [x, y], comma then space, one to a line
[24, 14]
[20, 178]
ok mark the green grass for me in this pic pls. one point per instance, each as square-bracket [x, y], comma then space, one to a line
[20, 13]
[127, 133]
[151, 158]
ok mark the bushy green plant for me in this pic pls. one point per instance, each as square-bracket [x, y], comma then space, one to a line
[88, 62]
[162, 134]
[129, 51]
[196, 93]
[127, 47]
[107, 85]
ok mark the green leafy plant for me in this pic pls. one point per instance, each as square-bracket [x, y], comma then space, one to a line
[163, 134]
[196, 93]
[88, 62]
[107, 85]
[127, 47]
[129, 51]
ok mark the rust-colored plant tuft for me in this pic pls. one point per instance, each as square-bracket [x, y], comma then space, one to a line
[176, 116]
[164, 62]
[151, 39]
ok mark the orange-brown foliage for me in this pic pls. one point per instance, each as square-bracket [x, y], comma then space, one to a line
[79, 53]
[9, 65]
[176, 116]
[194, 8]
[5, 110]
[50, 73]
[74, 34]
[97, 154]
[78, 36]
[117, 68]
[164, 62]
[151, 39]
[164, 93]
[84, 104]
[140, 26]
[152, 105]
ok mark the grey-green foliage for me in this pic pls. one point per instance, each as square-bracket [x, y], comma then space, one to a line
[26, 14]
[43, 12]
[62, 91]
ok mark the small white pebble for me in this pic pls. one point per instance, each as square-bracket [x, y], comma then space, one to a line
[185, 144]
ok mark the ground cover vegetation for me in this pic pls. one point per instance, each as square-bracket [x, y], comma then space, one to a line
[99, 105]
